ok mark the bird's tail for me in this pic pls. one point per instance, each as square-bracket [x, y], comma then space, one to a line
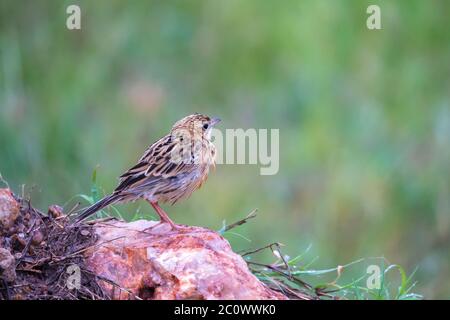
[96, 207]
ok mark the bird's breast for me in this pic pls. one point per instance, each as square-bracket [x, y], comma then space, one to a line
[186, 182]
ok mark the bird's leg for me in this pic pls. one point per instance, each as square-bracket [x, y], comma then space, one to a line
[162, 215]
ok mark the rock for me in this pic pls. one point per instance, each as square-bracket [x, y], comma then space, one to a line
[7, 265]
[38, 237]
[9, 208]
[55, 211]
[158, 263]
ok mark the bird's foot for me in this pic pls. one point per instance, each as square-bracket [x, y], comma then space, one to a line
[173, 226]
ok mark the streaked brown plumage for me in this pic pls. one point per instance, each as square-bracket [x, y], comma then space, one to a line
[170, 169]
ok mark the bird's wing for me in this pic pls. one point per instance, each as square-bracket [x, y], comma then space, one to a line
[156, 164]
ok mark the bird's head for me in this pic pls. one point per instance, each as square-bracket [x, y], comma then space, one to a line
[198, 126]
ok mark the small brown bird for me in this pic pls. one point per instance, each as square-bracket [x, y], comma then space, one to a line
[170, 170]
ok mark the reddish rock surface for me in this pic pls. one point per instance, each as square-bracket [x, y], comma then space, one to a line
[157, 263]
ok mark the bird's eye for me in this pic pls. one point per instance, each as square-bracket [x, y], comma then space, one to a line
[205, 126]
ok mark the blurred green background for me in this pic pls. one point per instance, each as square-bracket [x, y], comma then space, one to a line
[364, 116]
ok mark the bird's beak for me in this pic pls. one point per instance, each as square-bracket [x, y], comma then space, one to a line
[214, 121]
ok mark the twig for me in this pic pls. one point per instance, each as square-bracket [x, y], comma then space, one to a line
[240, 222]
[31, 227]
[71, 211]
[29, 270]
[283, 259]
[260, 249]
[59, 259]
[278, 254]
[274, 268]
[95, 221]
[297, 294]
[25, 249]
[116, 285]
